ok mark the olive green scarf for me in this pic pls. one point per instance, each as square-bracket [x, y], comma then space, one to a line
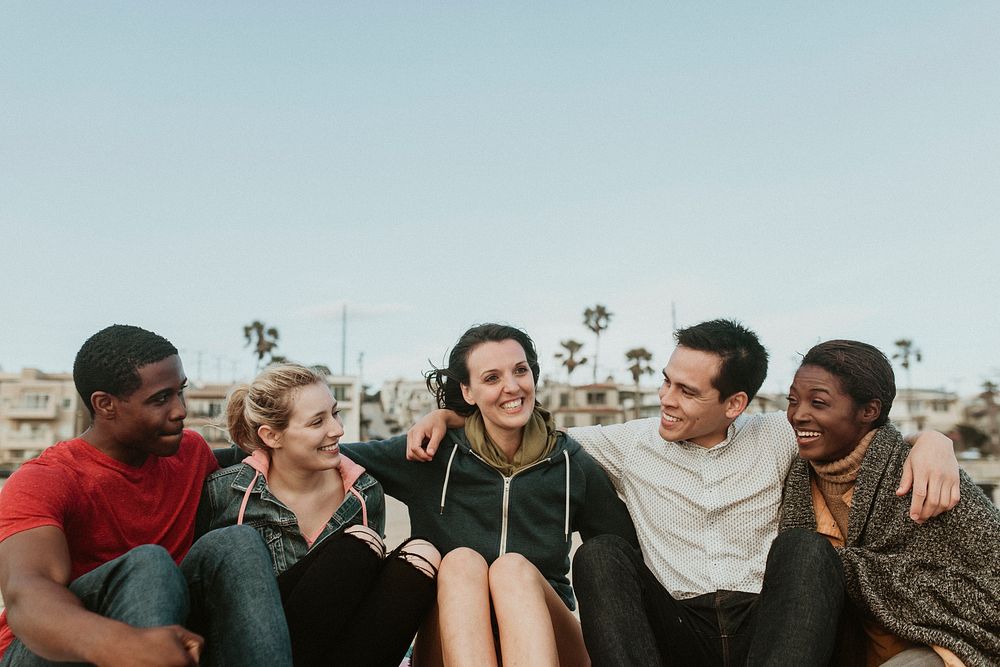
[538, 441]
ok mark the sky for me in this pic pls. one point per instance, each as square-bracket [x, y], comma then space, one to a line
[815, 170]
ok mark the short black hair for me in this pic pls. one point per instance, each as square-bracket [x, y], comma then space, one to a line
[110, 360]
[864, 372]
[744, 359]
[445, 383]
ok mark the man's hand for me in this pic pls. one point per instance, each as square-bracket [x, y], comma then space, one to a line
[931, 472]
[166, 646]
[425, 435]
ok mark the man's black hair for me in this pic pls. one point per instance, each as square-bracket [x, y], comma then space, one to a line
[744, 359]
[110, 360]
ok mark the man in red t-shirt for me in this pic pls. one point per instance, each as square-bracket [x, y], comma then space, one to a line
[96, 557]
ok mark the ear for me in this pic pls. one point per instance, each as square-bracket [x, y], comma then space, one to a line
[736, 404]
[270, 436]
[870, 411]
[104, 405]
[467, 394]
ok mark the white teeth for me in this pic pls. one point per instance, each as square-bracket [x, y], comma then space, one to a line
[807, 434]
[329, 448]
[511, 405]
[669, 418]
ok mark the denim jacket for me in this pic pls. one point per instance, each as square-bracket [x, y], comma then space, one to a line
[239, 494]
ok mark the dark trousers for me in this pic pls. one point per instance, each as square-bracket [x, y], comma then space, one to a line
[347, 605]
[630, 620]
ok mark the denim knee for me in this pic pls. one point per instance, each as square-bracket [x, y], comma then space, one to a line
[143, 587]
[231, 547]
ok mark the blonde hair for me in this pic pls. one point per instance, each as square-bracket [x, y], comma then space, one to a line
[265, 400]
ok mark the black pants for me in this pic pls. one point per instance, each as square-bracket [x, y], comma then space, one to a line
[630, 620]
[347, 605]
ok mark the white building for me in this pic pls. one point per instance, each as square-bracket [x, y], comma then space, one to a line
[37, 410]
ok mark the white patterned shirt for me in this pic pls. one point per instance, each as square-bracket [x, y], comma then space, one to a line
[705, 517]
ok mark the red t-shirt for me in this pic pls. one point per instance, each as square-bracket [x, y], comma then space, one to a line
[105, 507]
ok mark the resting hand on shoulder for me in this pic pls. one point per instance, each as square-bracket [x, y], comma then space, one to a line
[424, 437]
[931, 472]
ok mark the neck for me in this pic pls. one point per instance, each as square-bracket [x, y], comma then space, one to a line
[295, 481]
[111, 447]
[508, 441]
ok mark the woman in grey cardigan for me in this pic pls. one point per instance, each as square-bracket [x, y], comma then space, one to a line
[928, 594]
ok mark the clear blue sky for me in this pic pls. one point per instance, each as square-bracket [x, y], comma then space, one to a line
[816, 170]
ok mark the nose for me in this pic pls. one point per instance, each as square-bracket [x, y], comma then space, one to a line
[666, 395]
[796, 415]
[510, 384]
[336, 428]
[179, 413]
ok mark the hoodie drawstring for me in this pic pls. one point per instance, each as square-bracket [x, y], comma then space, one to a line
[566, 525]
[364, 507]
[447, 475]
[246, 498]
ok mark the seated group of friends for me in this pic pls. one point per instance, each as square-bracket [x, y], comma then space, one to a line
[710, 536]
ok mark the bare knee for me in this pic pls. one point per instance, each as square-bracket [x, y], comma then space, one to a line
[512, 572]
[462, 564]
[422, 555]
[368, 536]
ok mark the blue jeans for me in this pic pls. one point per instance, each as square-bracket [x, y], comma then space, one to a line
[224, 590]
[629, 619]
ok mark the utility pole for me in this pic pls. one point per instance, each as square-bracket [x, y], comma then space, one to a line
[343, 340]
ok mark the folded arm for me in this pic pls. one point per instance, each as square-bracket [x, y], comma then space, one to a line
[52, 622]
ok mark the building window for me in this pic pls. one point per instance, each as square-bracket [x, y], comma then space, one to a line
[569, 421]
[563, 400]
[67, 403]
[597, 398]
[35, 400]
[339, 392]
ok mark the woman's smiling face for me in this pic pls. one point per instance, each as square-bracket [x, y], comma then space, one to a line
[828, 423]
[501, 385]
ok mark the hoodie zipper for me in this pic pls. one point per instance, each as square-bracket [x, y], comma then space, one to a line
[505, 503]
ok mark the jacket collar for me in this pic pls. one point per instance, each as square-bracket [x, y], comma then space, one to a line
[351, 473]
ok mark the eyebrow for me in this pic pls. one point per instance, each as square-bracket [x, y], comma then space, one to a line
[682, 385]
[322, 413]
[165, 390]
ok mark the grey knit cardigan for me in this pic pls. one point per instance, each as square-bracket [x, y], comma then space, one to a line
[936, 583]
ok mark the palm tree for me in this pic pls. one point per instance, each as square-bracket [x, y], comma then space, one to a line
[908, 354]
[569, 359]
[640, 358]
[266, 341]
[989, 396]
[596, 319]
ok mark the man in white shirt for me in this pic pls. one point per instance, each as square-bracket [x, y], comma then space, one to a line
[703, 485]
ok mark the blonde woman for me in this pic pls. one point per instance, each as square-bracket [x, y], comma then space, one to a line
[347, 601]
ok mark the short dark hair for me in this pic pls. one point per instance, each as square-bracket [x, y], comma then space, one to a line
[744, 359]
[445, 383]
[863, 370]
[110, 360]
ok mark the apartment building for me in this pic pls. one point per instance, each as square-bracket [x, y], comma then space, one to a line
[37, 410]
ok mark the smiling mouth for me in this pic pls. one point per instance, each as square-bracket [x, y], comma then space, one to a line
[805, 435]
[335, 447]
[670, 419]
[512, 405]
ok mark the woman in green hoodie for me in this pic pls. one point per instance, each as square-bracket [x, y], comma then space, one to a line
[501, 500]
